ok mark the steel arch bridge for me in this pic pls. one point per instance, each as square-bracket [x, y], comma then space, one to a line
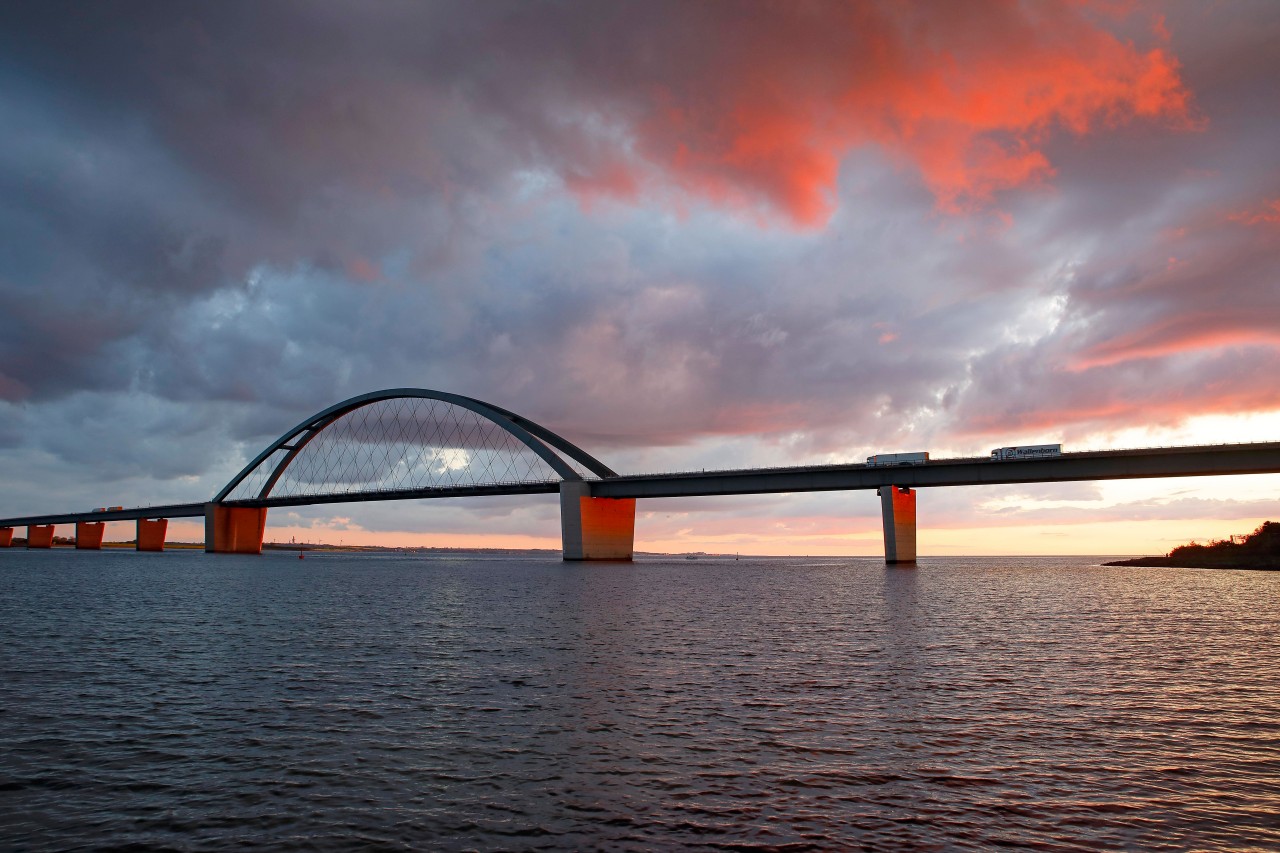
[406, 443]
[409, 443]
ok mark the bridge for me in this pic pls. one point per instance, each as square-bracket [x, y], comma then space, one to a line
[412, 443]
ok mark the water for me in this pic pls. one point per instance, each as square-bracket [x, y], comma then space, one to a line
[193, 701]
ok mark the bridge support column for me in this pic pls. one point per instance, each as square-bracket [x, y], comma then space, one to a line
[6, 537]
[898, 511]
[89, 535]
[151, 533]
[40, 536]
[233, 529]
[595, 528]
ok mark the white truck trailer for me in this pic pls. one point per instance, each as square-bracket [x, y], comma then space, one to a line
[884, 459]
[1027, 451]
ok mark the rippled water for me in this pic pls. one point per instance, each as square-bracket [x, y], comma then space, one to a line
[201, 702]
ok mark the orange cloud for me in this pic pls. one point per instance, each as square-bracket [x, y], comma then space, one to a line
[966, 95]
[1268, 214]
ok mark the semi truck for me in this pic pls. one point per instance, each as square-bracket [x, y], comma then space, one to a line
[1027, 451]
[883, 459]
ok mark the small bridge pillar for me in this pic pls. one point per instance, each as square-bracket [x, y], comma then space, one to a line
[89, 535]
[233, 529]
[151, 533]
[595, 528]
[898, 511]
[6, 537]
[40, 536]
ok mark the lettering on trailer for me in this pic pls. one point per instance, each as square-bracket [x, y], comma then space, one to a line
[1027, 451]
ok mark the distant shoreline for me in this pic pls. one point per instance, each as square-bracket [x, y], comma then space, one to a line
[1259, 551]
[1170, 563]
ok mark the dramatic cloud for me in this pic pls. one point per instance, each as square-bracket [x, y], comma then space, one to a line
[765, 106]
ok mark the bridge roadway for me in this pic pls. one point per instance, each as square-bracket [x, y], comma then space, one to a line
[198, 510]
[1209, 460]
[1141, 463]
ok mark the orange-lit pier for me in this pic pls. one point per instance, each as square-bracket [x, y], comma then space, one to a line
[89, 535]
[151, 533]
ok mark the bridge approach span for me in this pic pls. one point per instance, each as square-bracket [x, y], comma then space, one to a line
[1142, 463]
[122, 514]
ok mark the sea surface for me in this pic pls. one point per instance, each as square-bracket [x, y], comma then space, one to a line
[202, 702]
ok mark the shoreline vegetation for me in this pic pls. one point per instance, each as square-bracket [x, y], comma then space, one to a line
[1258, 550]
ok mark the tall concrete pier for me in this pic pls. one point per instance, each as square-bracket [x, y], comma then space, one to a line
[898, 513]
[234, 529]
[595, 528]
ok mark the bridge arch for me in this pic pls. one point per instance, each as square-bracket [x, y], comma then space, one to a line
[353, 447]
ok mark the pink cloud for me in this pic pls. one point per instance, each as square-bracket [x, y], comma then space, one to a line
[1164, 393]
[1180, 334]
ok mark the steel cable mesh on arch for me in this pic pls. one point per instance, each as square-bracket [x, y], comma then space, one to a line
[401, 444]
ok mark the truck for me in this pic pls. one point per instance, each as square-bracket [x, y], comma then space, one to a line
[886, 459]
[1026, 451]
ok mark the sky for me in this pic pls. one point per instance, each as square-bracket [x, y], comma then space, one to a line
[683, 235]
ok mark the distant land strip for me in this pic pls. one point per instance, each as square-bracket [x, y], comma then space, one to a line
[1259, 550]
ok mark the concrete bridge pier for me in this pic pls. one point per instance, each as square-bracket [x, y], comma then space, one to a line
[89, 535]
[595, 528]
[151, 533]
[6, 537]
[40, 536]
[898, 512]
[234, 529]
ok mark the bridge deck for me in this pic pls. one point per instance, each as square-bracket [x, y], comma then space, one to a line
[197, 510]
[1211, 460]
[1139, 463]
[131, 514]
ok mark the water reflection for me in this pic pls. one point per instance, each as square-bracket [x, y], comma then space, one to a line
[497, 703]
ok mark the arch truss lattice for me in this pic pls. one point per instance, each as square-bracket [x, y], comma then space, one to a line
[407, 442]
